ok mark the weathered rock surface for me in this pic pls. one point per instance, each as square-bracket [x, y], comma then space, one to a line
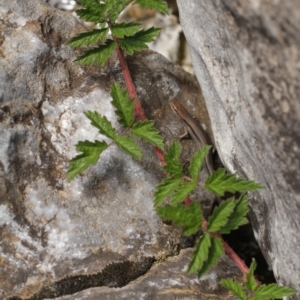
[59, 238]
[246, 58]
[167, 280]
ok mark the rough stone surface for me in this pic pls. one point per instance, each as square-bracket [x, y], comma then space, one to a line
[246, 58]
[168, 280]
[59, 238]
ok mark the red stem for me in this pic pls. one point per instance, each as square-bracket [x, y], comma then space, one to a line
[138, 110]
[139, 113]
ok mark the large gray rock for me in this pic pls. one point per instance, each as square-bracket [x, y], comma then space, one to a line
[246, 58]
[100, 230]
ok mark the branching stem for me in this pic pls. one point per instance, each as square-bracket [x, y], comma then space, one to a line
[139, 113]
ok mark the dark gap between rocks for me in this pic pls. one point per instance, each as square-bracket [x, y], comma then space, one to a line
[246, 247]
[114, 275]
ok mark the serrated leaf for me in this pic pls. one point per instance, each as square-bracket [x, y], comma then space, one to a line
[124, 106]
[90, 156]
[215, 252]
[201, 253]
[102, 123]
[90, 15]
[146, 131]
[272, 291]
[188, 217]
[159, 5]
[234, 287]
[220, 215]
[99, 54]
[197, 162]
[88, 38]
[219, 183]
[165, 188]
[238, 217]
[182, 192]
[171, 157]
[129, 146]
[137, 42]
[113, 8]
[121, 29]
[251, 283]
[95, 5]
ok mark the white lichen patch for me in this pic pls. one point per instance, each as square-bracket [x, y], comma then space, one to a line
[67, 123]
[114, 215]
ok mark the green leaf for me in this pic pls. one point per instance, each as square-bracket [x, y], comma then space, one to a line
[197, 162]
[219, 182]
[272, 291]
[215, 252]
[173, 166]
[92, 10]
[238, 217]
[146, 131]
[159, 5]
[165, 188]
[138, 41]
[90, 156]
[251, 283]
[188, 217]
[90, 15]
[99, 54]
[113, 9]
[129, 146]
[88, 38]
[234, 287]
[124, 106]
[201, 253]
[102, 124]
[182, 192]
[220, 215]
[121, 29]
[100, 11]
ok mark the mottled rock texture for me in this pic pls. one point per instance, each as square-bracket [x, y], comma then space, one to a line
[100, 230]
[246, 57]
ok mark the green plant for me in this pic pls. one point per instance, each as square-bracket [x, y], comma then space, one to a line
[253, 291]
[173, 190]
[124, 109]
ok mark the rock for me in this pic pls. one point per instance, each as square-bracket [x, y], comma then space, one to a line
[59, 238]
[167, 280]
[246, 58]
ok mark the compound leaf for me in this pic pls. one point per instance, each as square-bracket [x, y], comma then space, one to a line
[215, 252]
[251, 283]
[182, 192]
[90, 156]
[158, 5]
[219, 183]
[124, 106]
[197, 161]
[173, 166]
[121, 29]
[220, 215]
[146, 131]
[166, 188]
[138, 41]
[271, 291]
[234, 287]
[129, 146]
[201, 253]
[90, 15]
[99, 54]
[238, 217]
[188, 217]
[88, 38]
[102, 123]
